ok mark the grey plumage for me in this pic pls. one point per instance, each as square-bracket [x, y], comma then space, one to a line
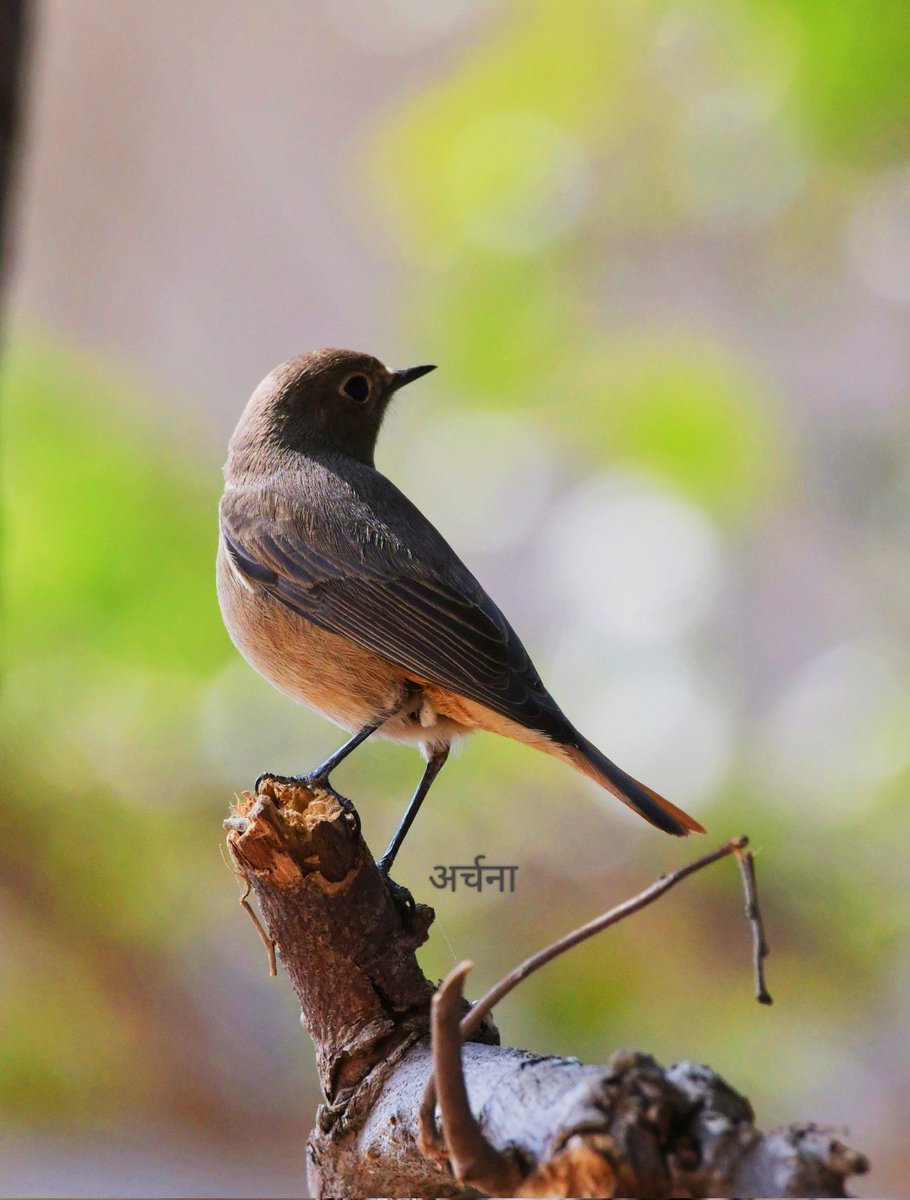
[336, 587]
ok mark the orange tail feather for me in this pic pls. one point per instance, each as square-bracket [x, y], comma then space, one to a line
[587, 759]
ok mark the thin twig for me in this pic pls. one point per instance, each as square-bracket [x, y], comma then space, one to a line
[500, 990]
[267, 941]
[474, 1161]
[736, 846]
[745, 860]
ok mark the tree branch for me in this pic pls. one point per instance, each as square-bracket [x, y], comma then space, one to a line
[514, 1122]
[738, 846]
[474, 1160]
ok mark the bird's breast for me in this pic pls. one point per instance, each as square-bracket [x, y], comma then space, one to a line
[347, 684]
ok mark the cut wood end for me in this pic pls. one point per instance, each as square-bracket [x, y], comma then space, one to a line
[301, 806]
[256, 841]
[288, 831]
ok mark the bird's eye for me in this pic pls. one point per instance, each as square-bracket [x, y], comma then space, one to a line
[357, 388]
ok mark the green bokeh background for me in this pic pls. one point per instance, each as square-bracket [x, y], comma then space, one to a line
[545, 153]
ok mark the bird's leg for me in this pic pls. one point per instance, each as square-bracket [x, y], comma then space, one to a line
[434, 765]
[319, 777]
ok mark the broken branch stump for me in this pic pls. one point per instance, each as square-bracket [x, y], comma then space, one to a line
[548, 1126]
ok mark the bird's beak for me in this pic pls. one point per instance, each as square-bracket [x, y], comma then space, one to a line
[408, 375]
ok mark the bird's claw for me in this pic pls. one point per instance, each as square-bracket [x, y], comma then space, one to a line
[347, 807]
[270, 776]
[400, 894]
[304, 781]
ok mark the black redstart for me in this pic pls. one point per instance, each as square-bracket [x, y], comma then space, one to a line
[343, 595]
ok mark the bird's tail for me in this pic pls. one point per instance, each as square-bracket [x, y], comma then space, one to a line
[586, 758]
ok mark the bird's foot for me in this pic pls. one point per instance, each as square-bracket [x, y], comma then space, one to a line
[313, 782]
[400, 894]
[271, 777]
[347, 806]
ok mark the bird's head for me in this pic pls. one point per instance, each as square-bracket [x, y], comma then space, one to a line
[327, 400]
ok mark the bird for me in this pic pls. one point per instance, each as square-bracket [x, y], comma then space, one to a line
[335, 587]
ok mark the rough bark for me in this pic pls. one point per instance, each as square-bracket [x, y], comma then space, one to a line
[550, 1126]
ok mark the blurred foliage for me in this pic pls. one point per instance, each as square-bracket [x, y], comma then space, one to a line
[853, 85]
[559, 143]
[515, 216]
[686, 412]
[110, 632]
[99, 496]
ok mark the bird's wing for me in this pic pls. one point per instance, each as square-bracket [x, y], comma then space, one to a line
[426, 613]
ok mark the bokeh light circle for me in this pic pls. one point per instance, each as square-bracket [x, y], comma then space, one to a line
[516, 181]
[633, 559]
